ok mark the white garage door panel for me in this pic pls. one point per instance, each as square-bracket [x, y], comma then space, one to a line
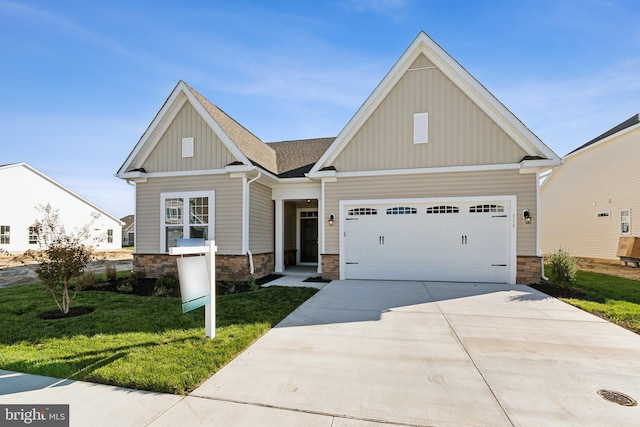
[456, 241]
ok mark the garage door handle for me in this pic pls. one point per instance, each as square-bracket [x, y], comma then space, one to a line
[498, 265]
[350, 263]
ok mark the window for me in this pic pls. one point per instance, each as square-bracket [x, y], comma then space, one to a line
[362, 211]
[309, 214]
[603, 214]
[402, 210]
[625, 221]
[109, 235]
[185, 215]
[486, 208]
[33, 235]
[420, 128]
[443, 209]
[5, 234]
[130, 239]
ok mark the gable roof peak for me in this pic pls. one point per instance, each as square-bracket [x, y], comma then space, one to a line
[484, 99]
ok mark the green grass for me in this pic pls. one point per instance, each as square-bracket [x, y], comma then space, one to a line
[131, 341]
[614, 298]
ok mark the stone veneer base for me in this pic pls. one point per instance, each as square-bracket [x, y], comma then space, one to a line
[228, 267]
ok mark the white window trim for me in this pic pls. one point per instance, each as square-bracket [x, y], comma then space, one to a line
[420, 128]
[628, 232]
[186, 195]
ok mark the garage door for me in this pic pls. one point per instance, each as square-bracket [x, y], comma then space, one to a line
[441, 241]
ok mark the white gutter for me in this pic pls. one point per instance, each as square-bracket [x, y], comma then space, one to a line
[245, 214]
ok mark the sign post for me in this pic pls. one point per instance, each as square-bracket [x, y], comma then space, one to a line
[198, 279]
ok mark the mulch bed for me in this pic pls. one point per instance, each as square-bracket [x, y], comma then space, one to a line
[557, 291]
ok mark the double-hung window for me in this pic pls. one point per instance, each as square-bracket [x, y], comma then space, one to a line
[5, 234]
[625, 221]
[186, 215]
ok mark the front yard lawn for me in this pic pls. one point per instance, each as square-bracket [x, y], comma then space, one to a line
[613, 298]
[132, 341]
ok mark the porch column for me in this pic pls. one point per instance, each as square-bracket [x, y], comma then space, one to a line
[279, 268]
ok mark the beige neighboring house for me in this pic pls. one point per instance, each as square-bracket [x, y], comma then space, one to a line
[592, 199]
[128, 230]
[429, 180]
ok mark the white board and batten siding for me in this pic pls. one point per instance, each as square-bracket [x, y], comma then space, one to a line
[446, 239]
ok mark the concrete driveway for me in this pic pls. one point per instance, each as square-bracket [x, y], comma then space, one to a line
[434, 354]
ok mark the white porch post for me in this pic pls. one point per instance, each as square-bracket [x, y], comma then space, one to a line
[279, 236]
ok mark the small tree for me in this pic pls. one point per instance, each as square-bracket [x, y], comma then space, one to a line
[563, 268]
[63, 256]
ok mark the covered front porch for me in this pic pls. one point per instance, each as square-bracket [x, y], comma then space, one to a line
[298, 228]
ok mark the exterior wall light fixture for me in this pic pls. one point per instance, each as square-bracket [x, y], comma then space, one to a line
[332, 217]
[527, 216]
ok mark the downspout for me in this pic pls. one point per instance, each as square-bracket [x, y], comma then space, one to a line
[246, 236]
[538, 225]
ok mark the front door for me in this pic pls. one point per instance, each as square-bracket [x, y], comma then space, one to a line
[309, 239]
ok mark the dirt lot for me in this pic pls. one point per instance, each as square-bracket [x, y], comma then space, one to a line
[20, 260]
[614, 268]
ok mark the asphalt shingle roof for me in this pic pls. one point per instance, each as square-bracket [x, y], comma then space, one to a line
[634, 120]
[287, 159]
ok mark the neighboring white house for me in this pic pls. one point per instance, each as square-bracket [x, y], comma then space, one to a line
[24, 189]
[592, 199]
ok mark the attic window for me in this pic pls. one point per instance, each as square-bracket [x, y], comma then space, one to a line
[187, 147]
[420, 128]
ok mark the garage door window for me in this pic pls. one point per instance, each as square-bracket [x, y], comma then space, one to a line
[402, 210]
[362, 211]
[443, 209]
[486, 208]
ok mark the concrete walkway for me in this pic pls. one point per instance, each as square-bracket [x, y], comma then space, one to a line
[394, 353]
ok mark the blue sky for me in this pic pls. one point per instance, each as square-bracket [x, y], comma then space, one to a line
[81, 81]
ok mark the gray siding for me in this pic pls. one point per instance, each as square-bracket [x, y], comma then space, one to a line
[228, 210]
[600, 179]
[465, 184]
[460, 133]
[210, 152]
[261, 219]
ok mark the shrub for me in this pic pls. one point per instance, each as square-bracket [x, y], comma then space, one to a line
[110, 272]
[86, 280]
[165, 285]
[125, 287]
[563, 268]
[253, 285]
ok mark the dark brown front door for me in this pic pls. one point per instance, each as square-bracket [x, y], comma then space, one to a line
[309, 240]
